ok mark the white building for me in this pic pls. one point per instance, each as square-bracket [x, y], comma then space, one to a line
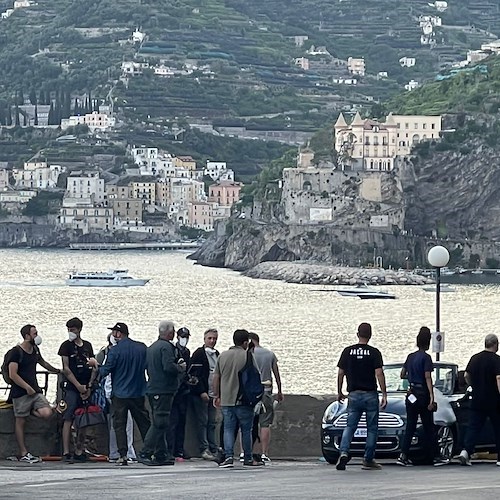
[19, 4]
[137, 36]
[407, 62]
[164, 71]
[217, 170]
[491, 47]
[37, 175]
[302, 63]
[80, 213]
[300, 39]
[7, 13]
[16, 196]
[412, 85]
[86, 185]
[345, 81]
[356, 66]
[95, 121]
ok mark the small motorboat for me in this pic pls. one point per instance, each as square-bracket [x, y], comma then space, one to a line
[363, 292]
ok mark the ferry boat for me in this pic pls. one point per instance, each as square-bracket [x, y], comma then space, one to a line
[112, 278]
[363, 292]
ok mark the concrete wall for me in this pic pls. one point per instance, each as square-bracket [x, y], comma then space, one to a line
[295, 432]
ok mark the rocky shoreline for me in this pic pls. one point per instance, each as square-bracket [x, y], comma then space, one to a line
[313, 273]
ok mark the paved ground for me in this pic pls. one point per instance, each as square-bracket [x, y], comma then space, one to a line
[279, 480]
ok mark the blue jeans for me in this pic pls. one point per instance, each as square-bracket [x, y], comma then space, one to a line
[242, 415]
[360, 402]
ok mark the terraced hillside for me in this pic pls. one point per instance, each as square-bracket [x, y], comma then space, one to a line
[248, 49]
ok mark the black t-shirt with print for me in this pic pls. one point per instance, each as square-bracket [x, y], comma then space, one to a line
[483, 369]
[26, 369]
[359, 362]
[78, 357]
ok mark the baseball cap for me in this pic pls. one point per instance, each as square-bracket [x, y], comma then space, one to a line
[120, 327]
[183, 332]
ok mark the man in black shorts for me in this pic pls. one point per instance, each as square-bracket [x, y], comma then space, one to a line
[79, 375]
[25, 393]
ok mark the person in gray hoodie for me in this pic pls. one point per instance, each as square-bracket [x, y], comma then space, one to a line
[164, 369]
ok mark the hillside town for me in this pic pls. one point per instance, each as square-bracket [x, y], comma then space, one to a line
[159, 187]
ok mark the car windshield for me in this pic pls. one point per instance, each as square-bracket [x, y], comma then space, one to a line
[442, 376]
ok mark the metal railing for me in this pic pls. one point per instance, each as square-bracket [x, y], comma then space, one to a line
[43, 374]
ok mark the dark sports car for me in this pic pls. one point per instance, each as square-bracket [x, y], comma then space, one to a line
[453, 400]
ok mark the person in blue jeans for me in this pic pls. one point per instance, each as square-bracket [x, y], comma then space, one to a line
[362, 365]
[226, 390]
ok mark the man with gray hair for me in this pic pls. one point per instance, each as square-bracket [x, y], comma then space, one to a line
[483, 375]
[163, 369]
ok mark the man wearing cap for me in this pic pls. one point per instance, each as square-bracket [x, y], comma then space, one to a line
[126, 363]
[181, 398]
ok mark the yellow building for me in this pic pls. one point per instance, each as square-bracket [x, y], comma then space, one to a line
[186, 162]
[373, 145]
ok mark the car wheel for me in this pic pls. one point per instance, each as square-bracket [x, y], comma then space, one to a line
[331, 457]
[446, 441]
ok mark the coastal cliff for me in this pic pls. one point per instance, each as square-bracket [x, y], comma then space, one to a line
[241, 244]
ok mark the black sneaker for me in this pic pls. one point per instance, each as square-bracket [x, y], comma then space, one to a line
[403, 461]
[80, 458]
[164, 460]
[343, 460]
[227, 464]
[68, 458]
[371, 465]
[122, 462]
[252, 463]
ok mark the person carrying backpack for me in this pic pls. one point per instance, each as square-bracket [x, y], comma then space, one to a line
[237, 389]
[19, 370]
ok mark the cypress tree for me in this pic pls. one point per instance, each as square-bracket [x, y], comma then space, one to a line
[33, 97]
[51, 115]
[36, 115]
[8, 119]
[17, 122]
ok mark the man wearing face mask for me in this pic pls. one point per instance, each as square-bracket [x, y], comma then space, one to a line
[25, 394]
[181, 398]
[207, 416]
[79, 375]
[126, 362]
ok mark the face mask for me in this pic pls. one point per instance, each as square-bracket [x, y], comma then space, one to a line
[72, 336]
[183, 341]
[37, 340]
[113, 340]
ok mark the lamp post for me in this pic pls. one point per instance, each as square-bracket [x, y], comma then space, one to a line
[438, 257]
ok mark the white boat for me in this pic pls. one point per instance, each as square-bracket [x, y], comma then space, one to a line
[443, 288]
[114, 277]
[477, 271]
[363, 292]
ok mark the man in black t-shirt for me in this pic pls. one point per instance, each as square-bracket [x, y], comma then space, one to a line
[79, 375]
[25, 393]
[483, 375]
[362, 365]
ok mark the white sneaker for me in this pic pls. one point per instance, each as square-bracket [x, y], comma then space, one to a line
[265, 458]
[498, 463]
[464, 458]
[242, 457]
[30, 459]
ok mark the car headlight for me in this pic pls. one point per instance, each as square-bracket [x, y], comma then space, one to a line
[331, 412]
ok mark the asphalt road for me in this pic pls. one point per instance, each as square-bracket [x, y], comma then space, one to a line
[281, 479]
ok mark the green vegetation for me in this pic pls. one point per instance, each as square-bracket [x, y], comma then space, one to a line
[472, 91]
[44, 203]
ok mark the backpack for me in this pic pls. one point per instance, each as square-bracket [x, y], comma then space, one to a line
[6, 362]
[251, 389]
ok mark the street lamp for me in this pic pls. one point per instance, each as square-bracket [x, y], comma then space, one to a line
[438, 257]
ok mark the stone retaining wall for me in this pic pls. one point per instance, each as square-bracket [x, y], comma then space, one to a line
[295, 432]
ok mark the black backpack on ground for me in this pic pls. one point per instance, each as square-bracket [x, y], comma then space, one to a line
[251, 388]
